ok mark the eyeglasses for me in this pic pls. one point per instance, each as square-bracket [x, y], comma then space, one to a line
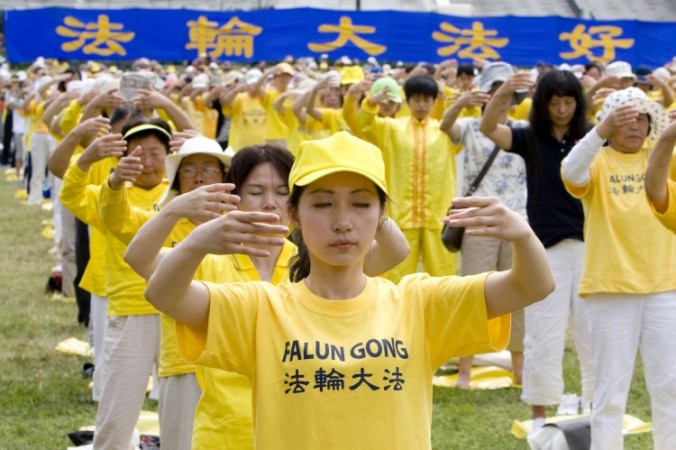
[206, 171]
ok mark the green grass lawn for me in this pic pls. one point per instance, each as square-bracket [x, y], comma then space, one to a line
[43, 395]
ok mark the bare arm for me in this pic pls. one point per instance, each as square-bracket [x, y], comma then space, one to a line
[389, 248]
[658, 169]
[667, 93]
[499, 106]
[310, 104]
[103, 101]
[151, 99]
[448, 124]
[298, 108]
[607, 82]
[259, 88]
[56, 106]
[214, 94]
[443, 67]
[530, 279]
[171, 288]
[278, 104]
[229, 96]
[200, 205]
[351, 105]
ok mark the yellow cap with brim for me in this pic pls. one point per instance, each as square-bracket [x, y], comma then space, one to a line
[285, 68]
[352, 75]
[341, 152]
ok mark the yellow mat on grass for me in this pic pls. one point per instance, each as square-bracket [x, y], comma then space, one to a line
[630, 425]
[74, 346]
[487, 377]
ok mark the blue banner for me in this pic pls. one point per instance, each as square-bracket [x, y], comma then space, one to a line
[176, 35]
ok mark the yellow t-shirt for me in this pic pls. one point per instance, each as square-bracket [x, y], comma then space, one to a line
[277, 129]
[203, 118]
[419, 167]
[349, 374]
[297, 132]
[331, 123]
[249, 121]
[627, 250]
[223, 418]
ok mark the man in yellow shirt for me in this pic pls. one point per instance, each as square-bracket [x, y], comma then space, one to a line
[246, 110]
[278, 78]
[420, 169]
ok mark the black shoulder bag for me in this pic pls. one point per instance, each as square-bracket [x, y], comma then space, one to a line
[452, 236]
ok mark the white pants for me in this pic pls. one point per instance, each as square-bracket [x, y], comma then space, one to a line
[484, 254]
[620, 325]
[131, 348]
[179, 395]
[66, 245]
[546, 324]
[98, 317]
[41, 145]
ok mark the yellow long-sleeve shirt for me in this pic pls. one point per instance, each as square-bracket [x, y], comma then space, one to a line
[419, 166]
[124, 288]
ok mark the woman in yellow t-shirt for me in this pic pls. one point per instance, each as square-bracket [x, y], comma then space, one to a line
[258, 178]
[627, 276]
[336, 350]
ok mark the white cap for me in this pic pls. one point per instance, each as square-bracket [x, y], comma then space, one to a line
[620, 69]
[662, 73]
[232, 77]
[493, 73]
[253, 75]
[333, 76]
[201, 81]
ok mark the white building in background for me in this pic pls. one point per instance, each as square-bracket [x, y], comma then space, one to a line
[649, 10]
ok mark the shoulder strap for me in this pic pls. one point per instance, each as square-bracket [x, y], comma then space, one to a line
[484, 170]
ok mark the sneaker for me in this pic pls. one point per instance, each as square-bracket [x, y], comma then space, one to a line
[569, 405]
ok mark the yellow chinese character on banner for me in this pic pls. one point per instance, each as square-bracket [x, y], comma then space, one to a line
[600, 36]
[348, 33]
[479, 42]
[105, 36]
[235, 38]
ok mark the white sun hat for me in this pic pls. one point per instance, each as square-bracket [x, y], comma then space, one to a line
[659, 118]
[199, 145]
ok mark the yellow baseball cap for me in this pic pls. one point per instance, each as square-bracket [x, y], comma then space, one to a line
[341, 152]
[286, 68]
[351, 75]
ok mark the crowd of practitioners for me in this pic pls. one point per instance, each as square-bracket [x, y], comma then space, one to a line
[286, 218]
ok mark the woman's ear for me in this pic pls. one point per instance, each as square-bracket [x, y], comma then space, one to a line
[292, 214]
